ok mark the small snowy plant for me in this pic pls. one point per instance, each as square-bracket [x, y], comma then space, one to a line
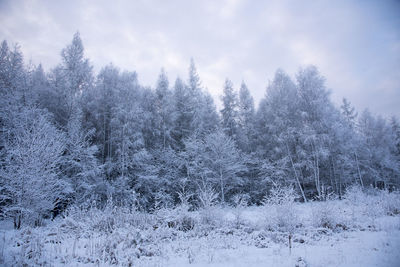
[326, 214]
[178, 217]
[207, 198]
[390, 202]
[282, 200]
[240, 202]
[355, 198]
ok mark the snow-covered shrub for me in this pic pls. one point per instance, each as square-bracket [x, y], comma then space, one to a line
[207, 196]
[390, 202]
[372, 203]
[327, 214]
[365, 205]
[30, 252]
[208, 199]
[354, 194]
[372, 206]
[282, 200]
[178, 217]
[240, 202]
[107, 219]
[356, 201]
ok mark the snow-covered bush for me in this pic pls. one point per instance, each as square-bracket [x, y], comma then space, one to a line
[372, 203]
[178, 217]
[390, 202]
[107, 219]
[208, 199]
[354, 194]
[328, 214]
[240, 202]
[355, 199]
[282, 200]
[207, 196]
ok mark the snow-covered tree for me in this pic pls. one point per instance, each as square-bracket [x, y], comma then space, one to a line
[80, 165]
[348, 112]
[377, 162]
[69, 80]
[230, 110]
[394, 122]
[31, 167]
[279, 127]
[165, 114]
[224, 163]
[214, 160]
[182, 113]
[77, 69]
[246, 119]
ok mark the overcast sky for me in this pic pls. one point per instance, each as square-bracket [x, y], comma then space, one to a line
[355, 44]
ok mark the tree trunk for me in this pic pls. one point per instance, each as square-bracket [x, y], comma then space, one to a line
[222, 187]
[316, 170]
[358, 170]
[123, 151]
[295, 174]
[17, 221]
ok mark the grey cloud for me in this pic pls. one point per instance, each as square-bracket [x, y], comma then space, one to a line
[355, 44]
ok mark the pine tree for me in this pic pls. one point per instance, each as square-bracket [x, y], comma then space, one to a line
[69, 80]
[80, 165]
[396, 133]
[164, 111]
[348, 112]
[230, 110]
[246, 119]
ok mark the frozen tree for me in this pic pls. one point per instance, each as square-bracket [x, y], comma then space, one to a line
[12, 73]
[69, 80]
[203, 117]
[317, 111]
[348, 112]
[40, 93]
[194, 110]
[246, 119]
[80, 165]
[215, 160]
[209, 115]
[131, 159]
[33, 156]
[341, 166]
[105, 101]
[396, 133]
[229, 111]
[77, 69]
[349, 145]
[279, 127]
[194, 91]
[182, 113]
[12, 78]
[224, 162]
[377, 162]
[165, 114]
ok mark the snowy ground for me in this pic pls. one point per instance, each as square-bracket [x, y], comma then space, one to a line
[333, 233]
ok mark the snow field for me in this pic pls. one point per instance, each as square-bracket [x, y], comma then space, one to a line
[329, 233]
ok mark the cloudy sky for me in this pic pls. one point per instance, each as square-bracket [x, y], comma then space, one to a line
[355, 44]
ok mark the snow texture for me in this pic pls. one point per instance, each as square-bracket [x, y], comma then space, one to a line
[237, 236]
